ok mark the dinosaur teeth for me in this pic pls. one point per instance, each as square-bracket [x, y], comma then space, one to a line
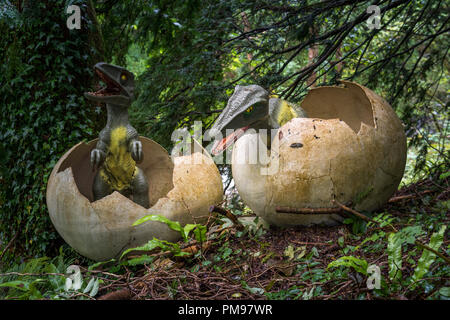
[111, 87]
[106, 91]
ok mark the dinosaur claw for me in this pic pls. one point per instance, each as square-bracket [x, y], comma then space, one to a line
[136, 151]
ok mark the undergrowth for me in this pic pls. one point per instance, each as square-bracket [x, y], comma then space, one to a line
[406, 242]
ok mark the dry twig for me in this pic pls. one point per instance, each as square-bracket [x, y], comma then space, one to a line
[308, 210]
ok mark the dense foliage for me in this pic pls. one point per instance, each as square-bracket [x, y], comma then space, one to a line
[191, 54]
[225, 259]
[45, 69]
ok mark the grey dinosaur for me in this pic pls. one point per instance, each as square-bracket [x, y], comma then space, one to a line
[252, 107]
[118, 148]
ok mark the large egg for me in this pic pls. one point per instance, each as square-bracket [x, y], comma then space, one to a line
[352, 148]
[181, 188]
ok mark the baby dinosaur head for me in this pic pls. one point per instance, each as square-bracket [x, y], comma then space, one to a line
[248, 107]
[119, 85]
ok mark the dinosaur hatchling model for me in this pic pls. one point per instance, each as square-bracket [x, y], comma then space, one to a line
[118, 148]
[342, 144]
[251, 107]
[98, 189]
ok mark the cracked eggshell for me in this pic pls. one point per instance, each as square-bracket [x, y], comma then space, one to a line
[352, 144]
[181, 189]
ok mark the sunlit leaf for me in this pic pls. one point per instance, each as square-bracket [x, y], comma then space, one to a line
[359, 265]
[394, 251]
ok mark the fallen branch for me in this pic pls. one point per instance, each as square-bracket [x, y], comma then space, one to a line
[312, 243]
[354, 212]
[228, 214]
[308, 210]
[409, 196]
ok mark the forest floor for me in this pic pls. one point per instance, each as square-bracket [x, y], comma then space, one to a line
[237, 258]
[246, 262]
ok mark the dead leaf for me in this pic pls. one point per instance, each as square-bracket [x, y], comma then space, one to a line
[289, 252]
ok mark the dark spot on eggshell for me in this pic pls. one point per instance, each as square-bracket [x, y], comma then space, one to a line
[316, 137]
[296, 145]
[280, 135]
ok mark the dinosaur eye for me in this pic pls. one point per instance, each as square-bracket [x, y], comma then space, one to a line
[123, 77]
[249, 109]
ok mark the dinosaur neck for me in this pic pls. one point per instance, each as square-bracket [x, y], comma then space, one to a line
[117, 115]
[280, 112]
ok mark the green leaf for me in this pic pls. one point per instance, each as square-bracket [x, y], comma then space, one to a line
[174, 225]
[406, 235]
[394, 251]
[188, 228]
[359, 265]
[200, 233]
[445, 291]
[428, 257]
[409, 234]
[157, 243]
[151, 245]
[444, 175]
[302, 253]
[21, 285]
[341, 241]
[374, 237]
[98, 264]
[199, 230]
[140, 260]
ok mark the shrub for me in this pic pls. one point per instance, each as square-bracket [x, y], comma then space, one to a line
[44, 70]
